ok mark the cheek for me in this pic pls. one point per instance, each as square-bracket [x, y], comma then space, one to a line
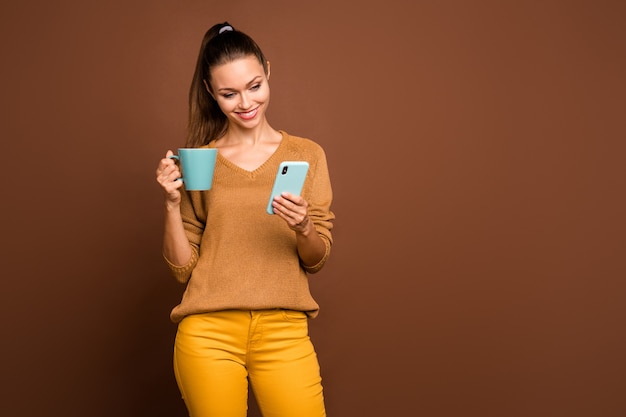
[265, 95]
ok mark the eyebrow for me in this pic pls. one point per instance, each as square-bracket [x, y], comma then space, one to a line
[254, 80]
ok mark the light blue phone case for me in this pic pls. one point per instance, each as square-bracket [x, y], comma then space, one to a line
[289, 178]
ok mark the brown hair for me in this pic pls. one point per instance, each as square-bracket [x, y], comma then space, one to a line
[221, 44]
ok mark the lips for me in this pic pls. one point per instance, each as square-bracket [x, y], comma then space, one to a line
[248, 115]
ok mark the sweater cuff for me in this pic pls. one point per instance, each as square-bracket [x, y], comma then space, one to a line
[315, 268]
[183, 272]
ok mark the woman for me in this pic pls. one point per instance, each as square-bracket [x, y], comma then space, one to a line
[244, 314]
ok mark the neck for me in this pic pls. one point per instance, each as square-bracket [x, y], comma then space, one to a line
[235, 135]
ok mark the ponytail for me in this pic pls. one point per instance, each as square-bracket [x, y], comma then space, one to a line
[221, 44]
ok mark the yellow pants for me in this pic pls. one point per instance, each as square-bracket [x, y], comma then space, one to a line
[216, 354]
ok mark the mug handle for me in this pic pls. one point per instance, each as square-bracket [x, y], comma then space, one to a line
[178, 159]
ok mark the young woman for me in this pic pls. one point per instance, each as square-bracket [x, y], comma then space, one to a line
[243, 317]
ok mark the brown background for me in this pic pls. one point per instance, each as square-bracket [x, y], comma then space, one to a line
[477, 156]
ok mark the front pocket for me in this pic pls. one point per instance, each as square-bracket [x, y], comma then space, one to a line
[294, 316]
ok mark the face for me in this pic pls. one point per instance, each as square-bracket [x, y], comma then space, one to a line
[242, 91]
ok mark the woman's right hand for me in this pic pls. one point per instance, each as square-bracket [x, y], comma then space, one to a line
[168, 175]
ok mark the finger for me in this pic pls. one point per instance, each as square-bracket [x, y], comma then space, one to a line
[291, 222]
[293, 215]
[297, 201]
[167, 159]
[291, 197]
[168, 176]
[171, 170]
[281, 209]
[174, 185]
[171, 189]
[171, 175]
[163, 174]
[297, 209]
[163, 165]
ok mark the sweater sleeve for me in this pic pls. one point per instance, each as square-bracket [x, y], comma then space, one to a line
[320, 197]
[192, 209]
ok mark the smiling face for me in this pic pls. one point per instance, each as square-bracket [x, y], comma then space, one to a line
[241, 89]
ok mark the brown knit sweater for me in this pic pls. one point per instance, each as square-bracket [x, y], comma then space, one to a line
[244, 258]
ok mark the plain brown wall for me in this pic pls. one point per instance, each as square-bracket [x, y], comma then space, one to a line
[477, 156]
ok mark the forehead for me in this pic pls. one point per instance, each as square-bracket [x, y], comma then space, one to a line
[237, 72]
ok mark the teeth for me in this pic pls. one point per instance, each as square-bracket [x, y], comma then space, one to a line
[249, 114]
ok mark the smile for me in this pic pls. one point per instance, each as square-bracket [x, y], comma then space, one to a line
[248, 115]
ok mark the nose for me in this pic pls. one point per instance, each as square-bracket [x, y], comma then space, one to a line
[244, 103]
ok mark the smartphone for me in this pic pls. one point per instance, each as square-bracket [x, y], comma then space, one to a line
[289, 178]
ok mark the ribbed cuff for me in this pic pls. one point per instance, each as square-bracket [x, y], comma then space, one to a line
[183, 272]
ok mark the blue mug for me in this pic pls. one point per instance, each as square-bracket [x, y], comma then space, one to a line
[197, 166]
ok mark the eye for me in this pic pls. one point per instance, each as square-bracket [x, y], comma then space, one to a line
[255, 87]
[228, 95]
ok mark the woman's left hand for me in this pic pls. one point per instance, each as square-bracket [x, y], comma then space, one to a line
[294, 210]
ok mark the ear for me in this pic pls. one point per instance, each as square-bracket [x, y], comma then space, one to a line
[268, 70]
[206, 85]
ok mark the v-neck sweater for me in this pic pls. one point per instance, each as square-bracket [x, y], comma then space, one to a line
[242, 257]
